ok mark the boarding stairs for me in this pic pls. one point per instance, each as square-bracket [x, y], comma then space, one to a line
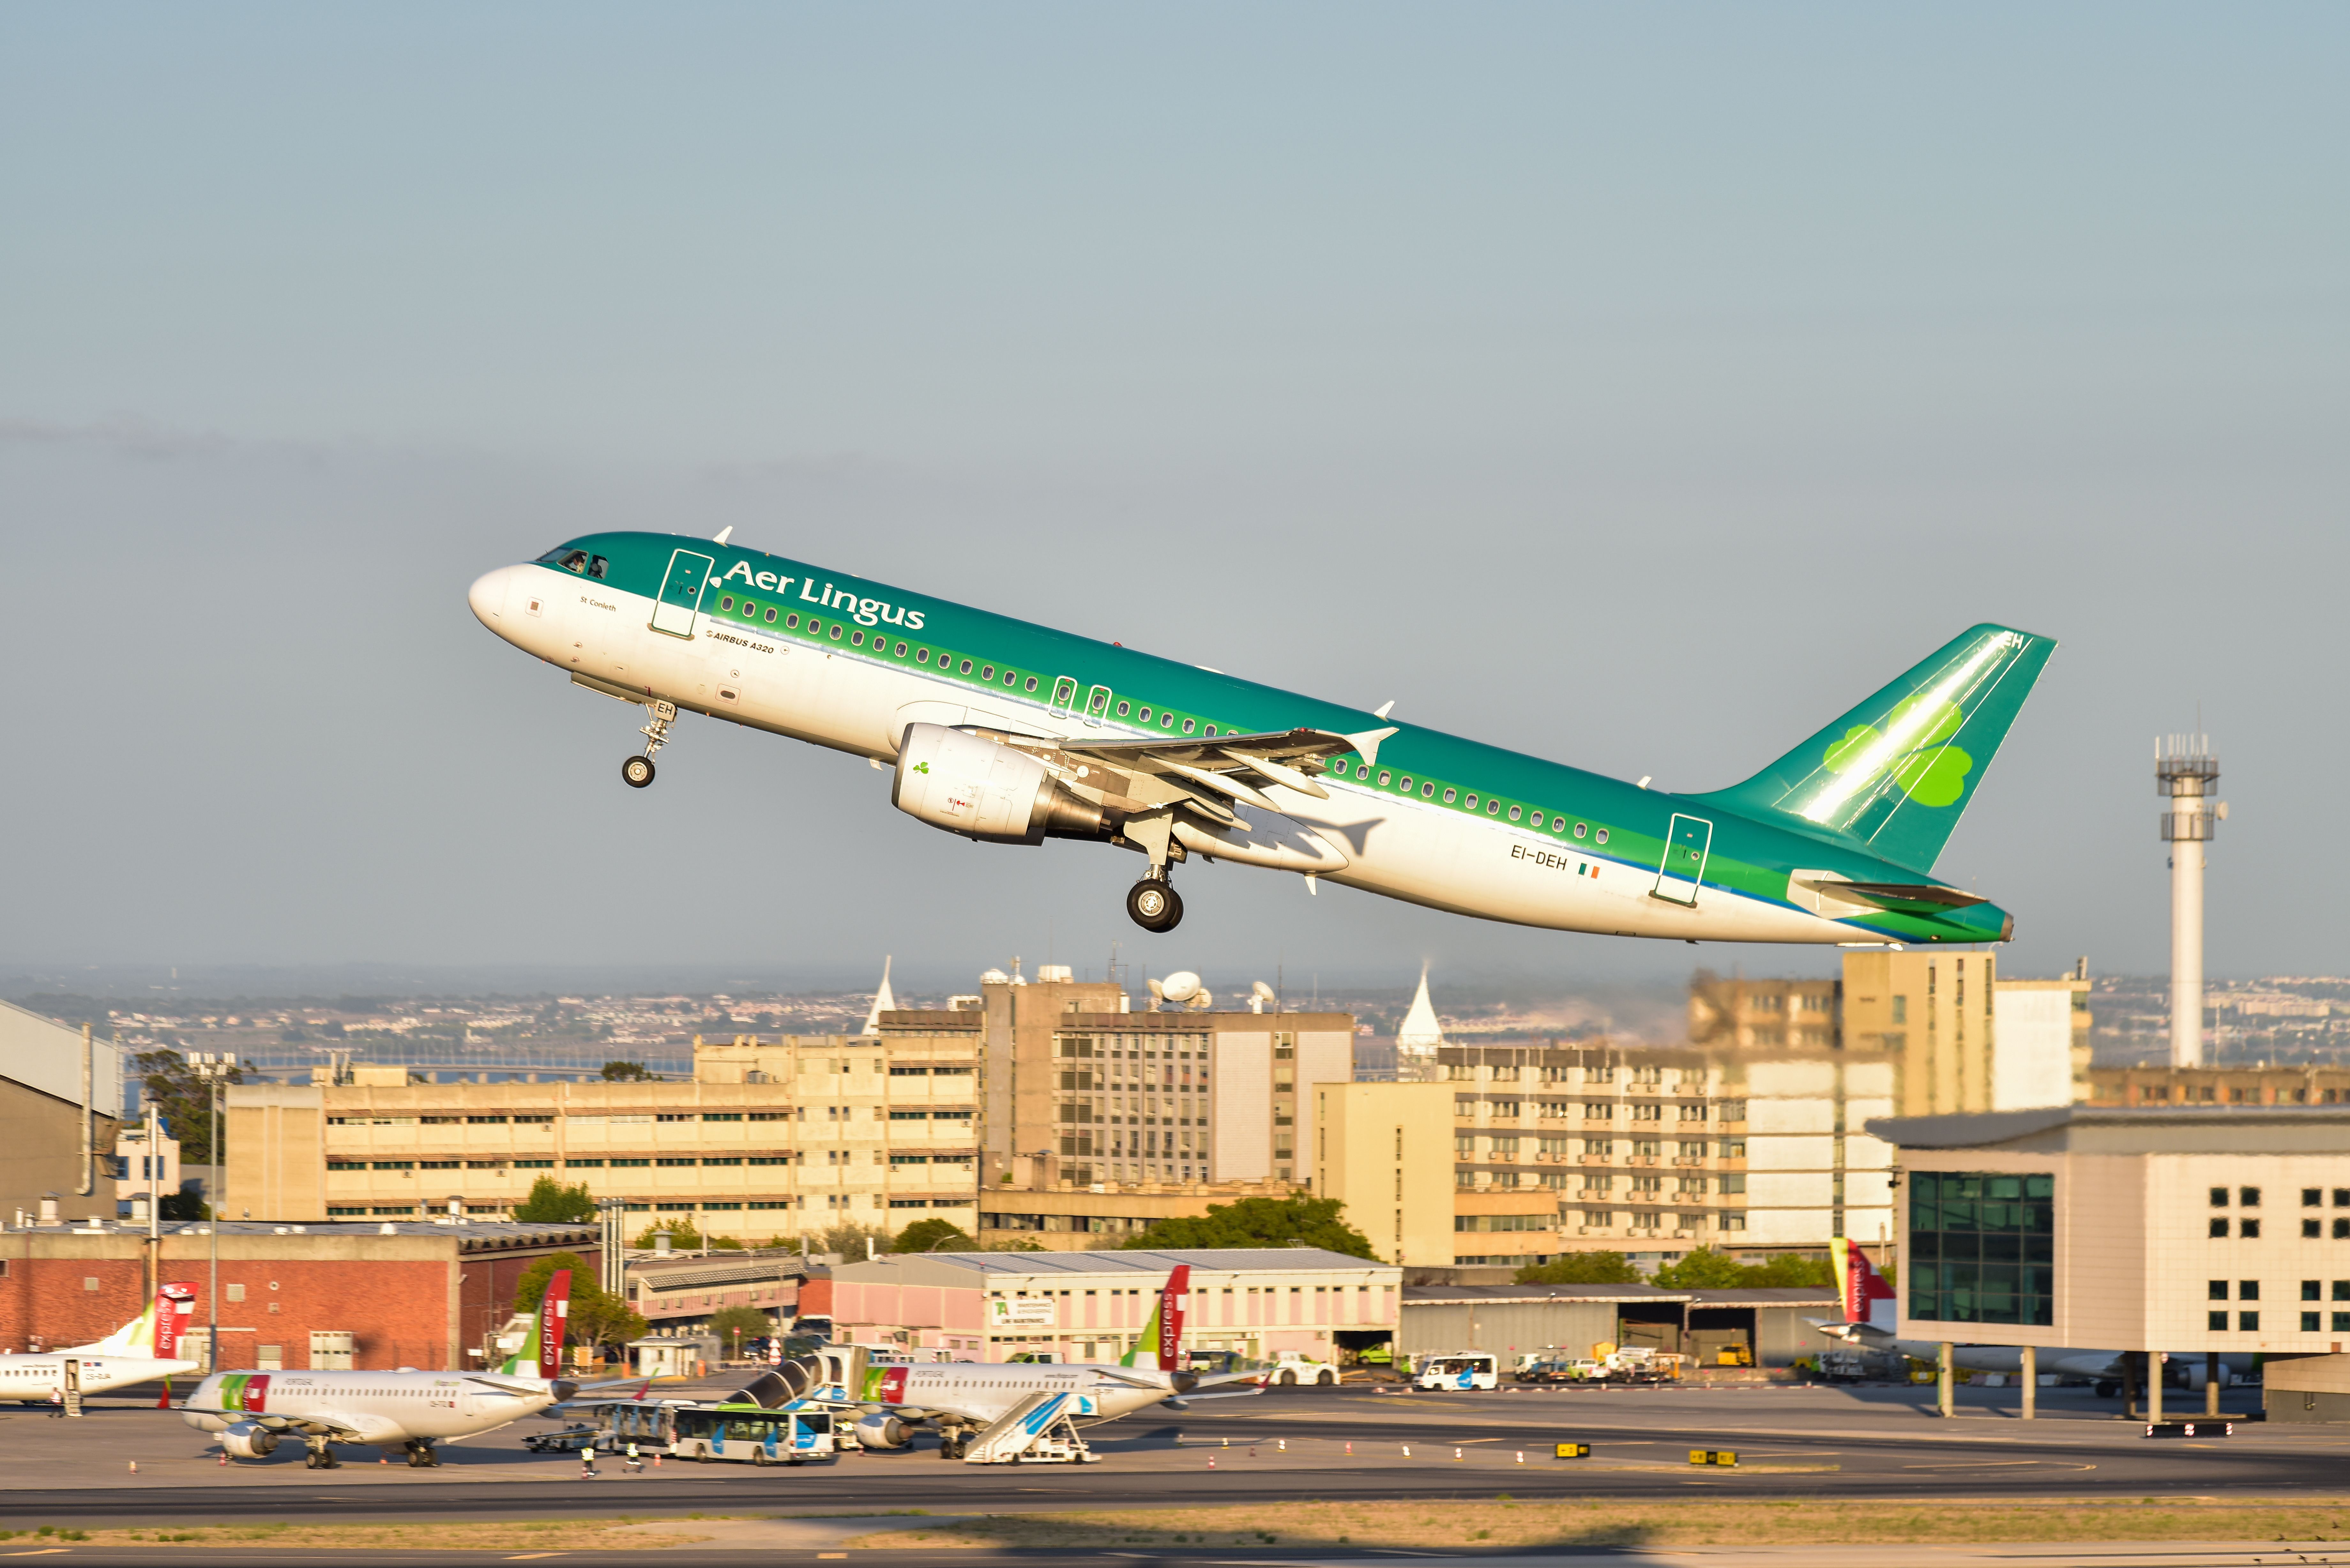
[1039, 1430]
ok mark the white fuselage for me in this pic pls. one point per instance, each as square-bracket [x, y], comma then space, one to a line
[978, 1393]
[1360, 837]
[370, 1406]
[35, 1377]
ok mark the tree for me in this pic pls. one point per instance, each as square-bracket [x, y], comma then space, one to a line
[932, 1236]
[680, 1231]
[1582, 1269]
[1260, 1222]
[1701, 1269]
[733, 1324]
[848, 1239]
[185, 1099]
[1789, 1269]
[533, 1283]
[629, 1073]
[552, 1203]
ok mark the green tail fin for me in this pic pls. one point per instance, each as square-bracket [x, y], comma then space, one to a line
[1892, 776]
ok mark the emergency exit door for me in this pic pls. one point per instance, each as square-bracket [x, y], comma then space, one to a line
[1682, 870]
[681, 593]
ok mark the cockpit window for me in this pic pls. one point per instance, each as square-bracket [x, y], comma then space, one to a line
[596, 565]
[574, 561]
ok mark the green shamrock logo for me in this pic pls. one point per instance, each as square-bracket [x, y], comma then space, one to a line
[1925, 768]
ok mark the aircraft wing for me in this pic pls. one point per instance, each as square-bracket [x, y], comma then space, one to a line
[347, 1425]
[1206, 774]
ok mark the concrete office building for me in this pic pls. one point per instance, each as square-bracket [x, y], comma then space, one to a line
[1038, 1207]
[1179, 1095]
[61, 1099]
[1374, 1149]
[2176, 1231]
[1092, 1307]
[768, 1138]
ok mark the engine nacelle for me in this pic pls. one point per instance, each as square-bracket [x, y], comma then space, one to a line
[985, 790]
[882, 1432]
[249, 1440]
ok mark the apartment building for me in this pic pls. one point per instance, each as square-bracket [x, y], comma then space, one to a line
[1180, 1094]
[2306, 1084]
[1745, 1015]
[1038, 1207]
[768, 1138]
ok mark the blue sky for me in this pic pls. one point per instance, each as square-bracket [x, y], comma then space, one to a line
[1636, 386]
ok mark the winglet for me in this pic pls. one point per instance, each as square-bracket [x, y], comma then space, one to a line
[1367, 742]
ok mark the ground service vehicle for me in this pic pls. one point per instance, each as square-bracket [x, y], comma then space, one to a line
[1291, 1367]
[1459, 1370]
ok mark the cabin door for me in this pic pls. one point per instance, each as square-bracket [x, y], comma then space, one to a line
[1682, 870]
[681, 592]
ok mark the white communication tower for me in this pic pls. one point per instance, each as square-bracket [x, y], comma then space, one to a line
[2188, 775]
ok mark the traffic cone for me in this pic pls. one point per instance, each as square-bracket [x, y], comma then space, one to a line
[134, 1467]
[1456, 1453]
[1211, 1461]
[1521, 1456]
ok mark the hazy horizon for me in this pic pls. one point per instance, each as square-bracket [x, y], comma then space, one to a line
[1632, 388]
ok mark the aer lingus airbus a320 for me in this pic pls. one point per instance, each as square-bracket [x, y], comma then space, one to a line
[1010, 732]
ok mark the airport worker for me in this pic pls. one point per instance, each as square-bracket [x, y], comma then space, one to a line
[634, 1463]
[588, 1462]
[57, 1401]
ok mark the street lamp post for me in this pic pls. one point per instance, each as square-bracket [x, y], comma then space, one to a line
[215, 1070]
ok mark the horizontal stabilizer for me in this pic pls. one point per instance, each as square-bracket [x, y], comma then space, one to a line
[1899, 893]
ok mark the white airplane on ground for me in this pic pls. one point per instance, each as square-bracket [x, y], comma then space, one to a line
[138, 1352]
[961, 1399]
[254, 1411]
[1871, 1311]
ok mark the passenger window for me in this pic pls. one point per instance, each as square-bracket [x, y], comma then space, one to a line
[1166, 720]
[1513, 817]
[835, 632]
[1031, 684]
[1404, 783]
[1143, 715]
[1603, 836]
[901, 650]
[856, 639]
[922, 656]
[1494, 807]
[727, 603]
[596, 565]
[1362, 771]
[771, 614]
[1427, 790]
[1124, 708]
[1188, 724]
[1448, 794]
[987, 672]
[1383, 778]
[750, 610]
[1212, 729]
[966, 667]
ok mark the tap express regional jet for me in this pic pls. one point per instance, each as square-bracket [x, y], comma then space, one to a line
[252, 1412]
[964, 1400]
[141, 1351]
[1008, 732]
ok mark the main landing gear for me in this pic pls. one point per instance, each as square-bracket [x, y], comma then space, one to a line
[1154, 904]
[420, 1456]
[637, 772]
[320, 1456]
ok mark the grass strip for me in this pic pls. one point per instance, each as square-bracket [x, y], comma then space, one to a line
[525, 1535]
[1503, 1522]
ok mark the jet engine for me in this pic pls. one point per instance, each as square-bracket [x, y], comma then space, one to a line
[883, 1432]
[987, 790]
[249, 1440]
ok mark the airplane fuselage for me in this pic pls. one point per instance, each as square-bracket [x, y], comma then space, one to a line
[380, 1407]
[33, 1377]
[777, 644]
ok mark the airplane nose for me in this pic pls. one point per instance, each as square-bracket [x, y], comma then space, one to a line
[488, 597]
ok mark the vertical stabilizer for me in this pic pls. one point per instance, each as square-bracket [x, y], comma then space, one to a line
[541, 1355]
[1892, 776]
[1161, 1344]
[1866, 1296]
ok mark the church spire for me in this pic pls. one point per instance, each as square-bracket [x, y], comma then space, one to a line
[882, 1002]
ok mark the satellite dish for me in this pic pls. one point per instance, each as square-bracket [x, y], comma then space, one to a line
[1203, 997]
[1261, 990]
[1179, 986]
[1158, 993]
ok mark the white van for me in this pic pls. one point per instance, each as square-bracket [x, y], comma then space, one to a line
[1459, 1370]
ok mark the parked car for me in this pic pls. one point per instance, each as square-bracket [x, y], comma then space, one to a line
[1295, 1366]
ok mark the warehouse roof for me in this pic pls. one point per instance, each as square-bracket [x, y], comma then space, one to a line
[2084, 1129]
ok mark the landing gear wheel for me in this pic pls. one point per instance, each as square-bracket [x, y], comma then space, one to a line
[637, 771]
[1154, 905]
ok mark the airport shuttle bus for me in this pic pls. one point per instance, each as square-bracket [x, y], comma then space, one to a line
[737, 1434]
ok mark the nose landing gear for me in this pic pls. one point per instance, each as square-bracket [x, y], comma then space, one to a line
[637, 772]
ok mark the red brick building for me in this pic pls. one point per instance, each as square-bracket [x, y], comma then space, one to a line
[408, 1293]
